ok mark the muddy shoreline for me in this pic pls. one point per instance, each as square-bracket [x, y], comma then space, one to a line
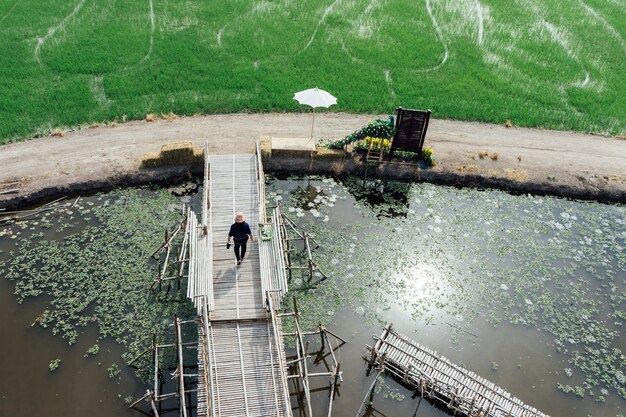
[468, 154]
[286, 165]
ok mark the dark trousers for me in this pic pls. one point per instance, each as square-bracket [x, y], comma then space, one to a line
[240, 248]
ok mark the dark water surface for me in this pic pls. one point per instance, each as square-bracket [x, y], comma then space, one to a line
[79, 387]
[77, 290]
[527, 292]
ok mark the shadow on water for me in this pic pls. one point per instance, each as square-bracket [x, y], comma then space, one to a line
[385, 198]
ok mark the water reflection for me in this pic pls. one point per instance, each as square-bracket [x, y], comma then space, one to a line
[518, 288]
[421, 281]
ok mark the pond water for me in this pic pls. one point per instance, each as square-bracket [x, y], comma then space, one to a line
[526, 291]
[76, 296]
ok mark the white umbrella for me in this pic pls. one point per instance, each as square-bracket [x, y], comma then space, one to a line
[315, 97]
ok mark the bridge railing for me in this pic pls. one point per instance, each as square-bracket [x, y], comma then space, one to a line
[273, 274]
[200, 283]
[207, 358]
[279, 250]
[260, 176]
[206, 190]
[279, 349]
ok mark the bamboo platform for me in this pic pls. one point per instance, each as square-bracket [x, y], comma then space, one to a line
[236, 289]
[246, 377]
[433, 376]
[241, 357]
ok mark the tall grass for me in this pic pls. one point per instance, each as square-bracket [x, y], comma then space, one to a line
[553, 64]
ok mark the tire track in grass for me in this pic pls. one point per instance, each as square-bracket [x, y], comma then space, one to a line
[97, 88]
[618, 3]
[389, 81]
[219, 36]
[368, 9]
[9, 11]
[327, 11]
[557, 35]
[152, 23]
[479, 13]
[440, 37]
[348, 52]
[342, 40]
[261, 7]
[53, 29]
[590, 11]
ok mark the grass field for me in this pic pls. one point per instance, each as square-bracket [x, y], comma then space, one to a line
[546, 63]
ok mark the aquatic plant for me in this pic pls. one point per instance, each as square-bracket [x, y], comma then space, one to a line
[100, 274]
[54, 364]
[457, 256]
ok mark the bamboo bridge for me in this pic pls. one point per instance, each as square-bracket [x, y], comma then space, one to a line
[431, 376]
[241, 368]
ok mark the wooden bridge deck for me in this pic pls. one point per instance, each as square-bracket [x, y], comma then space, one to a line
[242, 356]
[436, 377]
[236, 289]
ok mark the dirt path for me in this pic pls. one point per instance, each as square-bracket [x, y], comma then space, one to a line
[555, 159]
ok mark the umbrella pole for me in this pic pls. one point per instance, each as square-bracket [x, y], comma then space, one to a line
[312, 123]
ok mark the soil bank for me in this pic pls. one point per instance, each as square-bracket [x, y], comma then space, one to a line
[468, 154]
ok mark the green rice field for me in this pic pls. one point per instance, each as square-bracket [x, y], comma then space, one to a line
[549, 63]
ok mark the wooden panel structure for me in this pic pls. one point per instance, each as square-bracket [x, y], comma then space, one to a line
[435, 377]
[411, 126]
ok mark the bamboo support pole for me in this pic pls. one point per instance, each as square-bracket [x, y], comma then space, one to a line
[154, 407]
[155, 349]
[302, 365]
[8, 216]
[333, 385]
[369, 393]
[208, 368]
[180, 369]
[146, 350]
[332, 353]
[343, 341]
[283, 367]
[147, 394]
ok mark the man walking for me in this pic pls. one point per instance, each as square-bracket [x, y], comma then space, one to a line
[239, 233]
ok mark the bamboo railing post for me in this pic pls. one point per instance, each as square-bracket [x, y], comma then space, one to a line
[333, 387]
[153, 405]
[181, 369]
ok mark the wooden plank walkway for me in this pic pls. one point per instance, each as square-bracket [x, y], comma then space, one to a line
[237, 289]
[436, 377]
[240, 351]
